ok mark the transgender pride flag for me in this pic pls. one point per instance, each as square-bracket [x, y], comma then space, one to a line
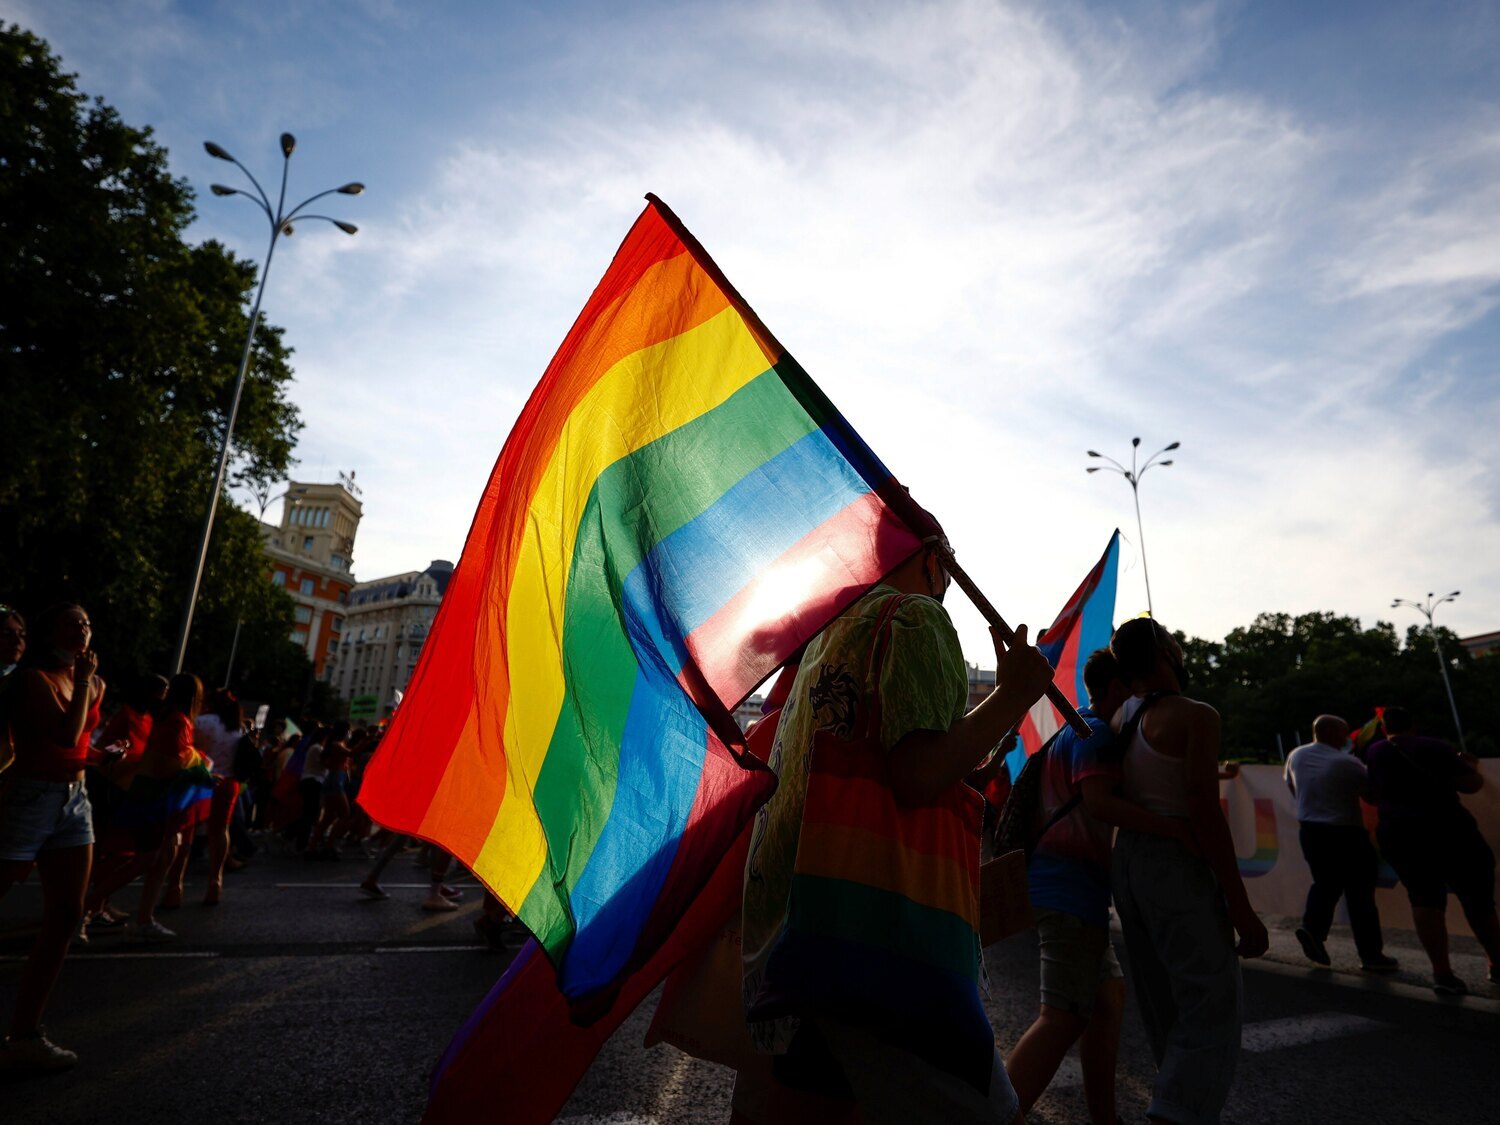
[1086, 623]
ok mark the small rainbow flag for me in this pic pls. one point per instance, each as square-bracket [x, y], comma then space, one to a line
[677, 509]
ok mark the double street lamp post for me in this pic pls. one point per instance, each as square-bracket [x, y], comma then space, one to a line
[1426, 609]
[1134, 475]
[280, 220]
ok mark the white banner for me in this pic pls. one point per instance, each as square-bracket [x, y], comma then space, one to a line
[1263, 821]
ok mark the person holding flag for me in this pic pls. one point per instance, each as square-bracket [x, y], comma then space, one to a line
[840, 975]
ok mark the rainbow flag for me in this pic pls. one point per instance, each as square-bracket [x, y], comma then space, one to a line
[1085, 624]
[676, 510]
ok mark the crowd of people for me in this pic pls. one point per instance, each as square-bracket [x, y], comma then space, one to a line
[101, 787]
[861, 991]
[862, 960]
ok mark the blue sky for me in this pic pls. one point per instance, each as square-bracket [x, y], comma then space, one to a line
[997, 234]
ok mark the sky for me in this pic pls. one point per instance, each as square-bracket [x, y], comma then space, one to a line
[998, 235]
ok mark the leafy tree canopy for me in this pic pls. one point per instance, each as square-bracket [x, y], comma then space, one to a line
[119, 346]
[1275, 675]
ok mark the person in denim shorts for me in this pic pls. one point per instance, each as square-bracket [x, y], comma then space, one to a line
[52, 707]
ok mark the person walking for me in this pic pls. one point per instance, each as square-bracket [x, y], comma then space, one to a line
[45, 817]
[878, 1014]
[1328, 784]
[1432, 841]
[1180, 905]
[1083, 988]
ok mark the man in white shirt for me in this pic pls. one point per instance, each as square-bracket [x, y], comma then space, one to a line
[1328, 785]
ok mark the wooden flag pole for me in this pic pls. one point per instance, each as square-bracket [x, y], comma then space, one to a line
[1006, 633]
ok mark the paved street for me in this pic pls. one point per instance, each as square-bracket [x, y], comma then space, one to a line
[296, 1001]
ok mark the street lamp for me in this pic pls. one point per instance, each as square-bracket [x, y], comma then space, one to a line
[1134, 475]
[281, 223]
[1427, 609]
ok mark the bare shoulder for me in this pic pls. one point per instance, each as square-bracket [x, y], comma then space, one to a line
[1182, 709]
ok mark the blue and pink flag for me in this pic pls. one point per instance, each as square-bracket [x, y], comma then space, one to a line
[1086, 623]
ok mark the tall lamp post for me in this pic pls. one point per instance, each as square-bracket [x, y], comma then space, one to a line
[1134, 475]
[280, 220]
[1427, 609]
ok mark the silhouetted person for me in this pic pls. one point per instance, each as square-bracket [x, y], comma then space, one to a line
[1431, 840]
[1328, 784]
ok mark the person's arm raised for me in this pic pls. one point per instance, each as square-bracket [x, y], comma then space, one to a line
[927, 762]
[1211, 830]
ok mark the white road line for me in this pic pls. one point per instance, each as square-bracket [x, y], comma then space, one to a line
[1265, 1035]
[355, 886]
[165, 954]
[428, 948]
[1294, 1031]
[1367, 983]
[618, 1118]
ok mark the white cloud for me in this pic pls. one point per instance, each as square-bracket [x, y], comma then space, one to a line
[997, 235]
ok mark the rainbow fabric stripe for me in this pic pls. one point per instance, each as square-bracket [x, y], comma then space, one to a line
[677, 509]
[1086, 623]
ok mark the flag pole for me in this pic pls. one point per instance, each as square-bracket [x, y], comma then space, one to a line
[1055, 695]
[894, 494]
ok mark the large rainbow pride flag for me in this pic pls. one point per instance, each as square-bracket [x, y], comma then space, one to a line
[1084, 624]
[677, 509]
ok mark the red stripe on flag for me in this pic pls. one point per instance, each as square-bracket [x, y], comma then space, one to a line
[733, 661]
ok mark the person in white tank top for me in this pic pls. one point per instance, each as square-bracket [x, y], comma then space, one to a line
[1180, 905]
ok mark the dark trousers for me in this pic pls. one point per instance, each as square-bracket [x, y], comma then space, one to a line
[312, 800]
[1343, 865]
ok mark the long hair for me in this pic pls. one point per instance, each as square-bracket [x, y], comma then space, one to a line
[184, 695]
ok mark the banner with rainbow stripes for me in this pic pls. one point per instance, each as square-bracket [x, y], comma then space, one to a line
[677, 509]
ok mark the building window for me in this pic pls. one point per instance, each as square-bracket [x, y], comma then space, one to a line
[336, 561]
[278, 578]
[336, 624]
[307, 543]
[332, 644]
[307, 587]
[343, 596]
[302, 615]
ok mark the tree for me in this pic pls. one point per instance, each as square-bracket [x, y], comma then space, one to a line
[1275, 675]
[119, 345]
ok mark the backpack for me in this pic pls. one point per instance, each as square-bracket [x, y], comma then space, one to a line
[1020, 825]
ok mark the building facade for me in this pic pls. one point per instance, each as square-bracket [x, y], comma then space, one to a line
[311, 553]
[385, 625]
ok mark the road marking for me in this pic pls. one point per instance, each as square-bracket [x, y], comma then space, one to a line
[429, 948]
[620, 1117]
[165, 954]
[355, 886]
[1264, 1035]
[1294, 1031]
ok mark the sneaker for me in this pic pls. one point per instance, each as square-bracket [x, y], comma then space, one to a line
[1449, 985]
[1316, 951]
[371, 889]
[453, 894]
[31, 1054]
[1379, 963]
[152, 933]
[436, 903]
[82, 936]
[107, 920]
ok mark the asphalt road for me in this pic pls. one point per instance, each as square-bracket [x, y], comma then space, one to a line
[297, 1001]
